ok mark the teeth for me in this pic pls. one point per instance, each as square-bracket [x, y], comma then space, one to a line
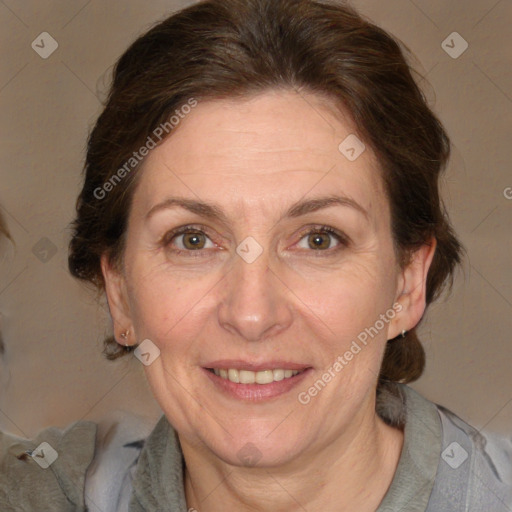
[249, 377]
[265, 377]
[233, 375]
[278, 374]
[246, 377]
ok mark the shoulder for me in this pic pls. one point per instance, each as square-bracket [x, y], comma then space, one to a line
[121, 437]
[86, 466]
[475, 467]
[46, 472]
[458, 468]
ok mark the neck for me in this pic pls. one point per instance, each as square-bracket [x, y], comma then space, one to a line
[353, 472]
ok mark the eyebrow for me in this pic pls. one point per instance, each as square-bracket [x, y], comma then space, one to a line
[212, 211]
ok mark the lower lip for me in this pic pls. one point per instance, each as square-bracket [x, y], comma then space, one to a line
[256, 392]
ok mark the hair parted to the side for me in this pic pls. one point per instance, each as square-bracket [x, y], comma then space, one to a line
[237, 48]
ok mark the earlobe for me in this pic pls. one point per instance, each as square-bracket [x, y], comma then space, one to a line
[115, 289]
[412, 289]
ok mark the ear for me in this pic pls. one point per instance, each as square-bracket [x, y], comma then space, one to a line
[117, 297]
[412, 288]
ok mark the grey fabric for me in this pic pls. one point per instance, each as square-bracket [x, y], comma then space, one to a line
[433, 473]
[445, 465]
[158, 482]
[482, 481]
[416, 471]
[116, 451]
[25, 486]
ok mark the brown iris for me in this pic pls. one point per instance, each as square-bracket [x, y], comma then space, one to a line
[315, 241]
[193, 240]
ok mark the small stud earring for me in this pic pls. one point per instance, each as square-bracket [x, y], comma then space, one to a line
[404, 332]
[124, 335]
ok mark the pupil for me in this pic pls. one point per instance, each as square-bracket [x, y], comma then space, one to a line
[193, 240]
[318, 241]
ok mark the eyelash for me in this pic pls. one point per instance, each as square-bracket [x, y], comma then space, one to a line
[191, 229]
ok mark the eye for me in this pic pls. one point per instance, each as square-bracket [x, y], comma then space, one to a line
[322, 239]
[187, 239]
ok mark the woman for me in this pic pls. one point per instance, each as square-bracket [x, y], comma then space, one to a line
[261, 207]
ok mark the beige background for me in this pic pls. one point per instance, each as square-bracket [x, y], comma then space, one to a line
[53, 373]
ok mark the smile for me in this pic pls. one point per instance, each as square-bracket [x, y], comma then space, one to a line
[249, 377]
[255, 381]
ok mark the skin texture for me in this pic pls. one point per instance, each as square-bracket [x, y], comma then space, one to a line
[254, 158]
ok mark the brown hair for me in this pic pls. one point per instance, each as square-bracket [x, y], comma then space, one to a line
[235, 48]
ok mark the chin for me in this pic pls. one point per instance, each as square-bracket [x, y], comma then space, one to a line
[259, 449]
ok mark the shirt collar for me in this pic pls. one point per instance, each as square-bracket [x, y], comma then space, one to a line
[158, 482]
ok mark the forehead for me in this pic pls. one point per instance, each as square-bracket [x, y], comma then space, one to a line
[259, 150]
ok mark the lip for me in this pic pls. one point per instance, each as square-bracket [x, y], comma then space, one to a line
[256, 392]
[226, 364]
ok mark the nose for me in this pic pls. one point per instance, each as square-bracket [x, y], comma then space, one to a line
[254, 305]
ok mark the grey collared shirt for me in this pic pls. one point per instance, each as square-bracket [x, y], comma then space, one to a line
[445, 465]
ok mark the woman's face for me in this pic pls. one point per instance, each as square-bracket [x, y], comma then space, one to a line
[268, 276]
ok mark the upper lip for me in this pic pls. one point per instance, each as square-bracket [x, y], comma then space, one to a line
[239, 364]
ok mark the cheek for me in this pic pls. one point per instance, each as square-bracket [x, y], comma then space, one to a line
[351, 299]
[164, 305]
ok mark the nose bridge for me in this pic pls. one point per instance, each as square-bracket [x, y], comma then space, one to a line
[254, 305]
